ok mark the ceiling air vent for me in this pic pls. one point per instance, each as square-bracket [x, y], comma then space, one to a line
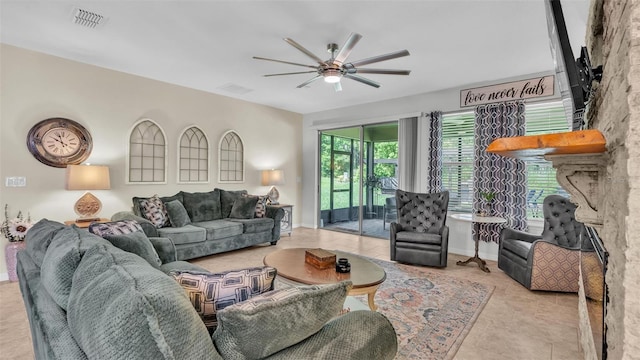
[87, 18]
[235, 89]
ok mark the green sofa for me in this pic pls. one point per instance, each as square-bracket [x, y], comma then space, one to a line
[213, 224]
[87, 299]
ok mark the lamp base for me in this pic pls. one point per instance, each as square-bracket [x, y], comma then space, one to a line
[87, 207]
[273, 195]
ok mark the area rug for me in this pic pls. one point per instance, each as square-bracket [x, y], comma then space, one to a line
[430, 311]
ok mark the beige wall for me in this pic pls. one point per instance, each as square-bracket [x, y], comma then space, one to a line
[613, 41]
[35, 86]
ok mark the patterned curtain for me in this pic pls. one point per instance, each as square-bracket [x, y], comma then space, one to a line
[434, 156]
[506, 177]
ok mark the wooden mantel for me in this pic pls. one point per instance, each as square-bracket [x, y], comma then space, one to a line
[537, 146]
[580, 160]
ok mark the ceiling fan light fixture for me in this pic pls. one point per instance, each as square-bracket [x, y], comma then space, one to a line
[337, 67]
[332, 76]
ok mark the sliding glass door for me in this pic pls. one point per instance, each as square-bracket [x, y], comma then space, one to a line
[358, 170]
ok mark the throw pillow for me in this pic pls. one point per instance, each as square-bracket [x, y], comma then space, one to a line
[137, 207]
[203, 206]
[153, 210]
[177, 213]
[244, 207]
[212, 292]
[261, 205]
[227, 198]
[115, 227]
[299, 311]
[137, 243]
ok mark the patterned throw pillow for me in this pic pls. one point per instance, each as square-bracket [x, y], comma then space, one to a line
[153, 209]
[209, 293]
[261, 205]
[302, 310]
[115, 228]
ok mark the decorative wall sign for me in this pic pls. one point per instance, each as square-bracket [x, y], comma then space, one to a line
[517, 90]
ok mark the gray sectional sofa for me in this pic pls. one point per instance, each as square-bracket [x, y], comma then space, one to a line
[87, 299]
[217, 221]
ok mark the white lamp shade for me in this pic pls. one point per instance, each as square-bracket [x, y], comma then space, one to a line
[272, 177]
[87, 177]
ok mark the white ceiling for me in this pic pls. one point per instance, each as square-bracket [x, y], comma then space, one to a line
[208, 45]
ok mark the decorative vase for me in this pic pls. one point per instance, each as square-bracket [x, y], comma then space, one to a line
[10, 254]
[487, 209]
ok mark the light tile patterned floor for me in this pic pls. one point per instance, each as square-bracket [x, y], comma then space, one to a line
[515, 324]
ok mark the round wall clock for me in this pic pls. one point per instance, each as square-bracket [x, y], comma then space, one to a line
[59, 142]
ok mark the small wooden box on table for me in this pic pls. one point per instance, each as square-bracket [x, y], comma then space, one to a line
[319, 258]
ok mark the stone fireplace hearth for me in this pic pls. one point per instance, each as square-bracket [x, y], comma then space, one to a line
[593, 295]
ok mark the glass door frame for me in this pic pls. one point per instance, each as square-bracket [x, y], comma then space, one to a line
[364, 161]
[331, 186]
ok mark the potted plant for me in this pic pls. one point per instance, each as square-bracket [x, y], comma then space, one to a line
[488, 197]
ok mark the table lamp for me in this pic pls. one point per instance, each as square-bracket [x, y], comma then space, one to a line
[87, 177]
[273, 177]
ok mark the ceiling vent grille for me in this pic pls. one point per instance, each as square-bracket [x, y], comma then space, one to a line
[235, 89]
[87, 18]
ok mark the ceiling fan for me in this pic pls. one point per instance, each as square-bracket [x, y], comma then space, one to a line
[336, 67]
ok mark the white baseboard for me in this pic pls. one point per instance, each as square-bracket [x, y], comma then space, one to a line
[4, 276]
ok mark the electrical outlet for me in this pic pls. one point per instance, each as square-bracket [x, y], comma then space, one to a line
[15, 181]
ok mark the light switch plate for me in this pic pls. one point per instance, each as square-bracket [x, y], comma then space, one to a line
[15, 181]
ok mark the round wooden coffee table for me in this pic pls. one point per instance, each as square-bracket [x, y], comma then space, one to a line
[365, 275]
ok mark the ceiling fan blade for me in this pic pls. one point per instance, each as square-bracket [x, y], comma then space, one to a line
[284, 62]
[291, 73]
[307, 52]
[347, 47]
[379, 58]
[380, 71]
[309, 81]
[362, 80]
[337, 86]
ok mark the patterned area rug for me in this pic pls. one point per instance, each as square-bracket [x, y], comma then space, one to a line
[430, 311]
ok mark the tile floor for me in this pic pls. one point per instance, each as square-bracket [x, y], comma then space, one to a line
[515, 324]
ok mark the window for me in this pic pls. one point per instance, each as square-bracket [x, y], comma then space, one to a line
[231, 158]
[147, 153]
[457, 157]
[193, 156]
[541, 176]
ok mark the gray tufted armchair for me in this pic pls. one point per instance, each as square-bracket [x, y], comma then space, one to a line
[549, 261]
[420, 235]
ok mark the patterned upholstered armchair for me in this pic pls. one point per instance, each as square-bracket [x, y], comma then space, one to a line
[420, 235]
[549, 261]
